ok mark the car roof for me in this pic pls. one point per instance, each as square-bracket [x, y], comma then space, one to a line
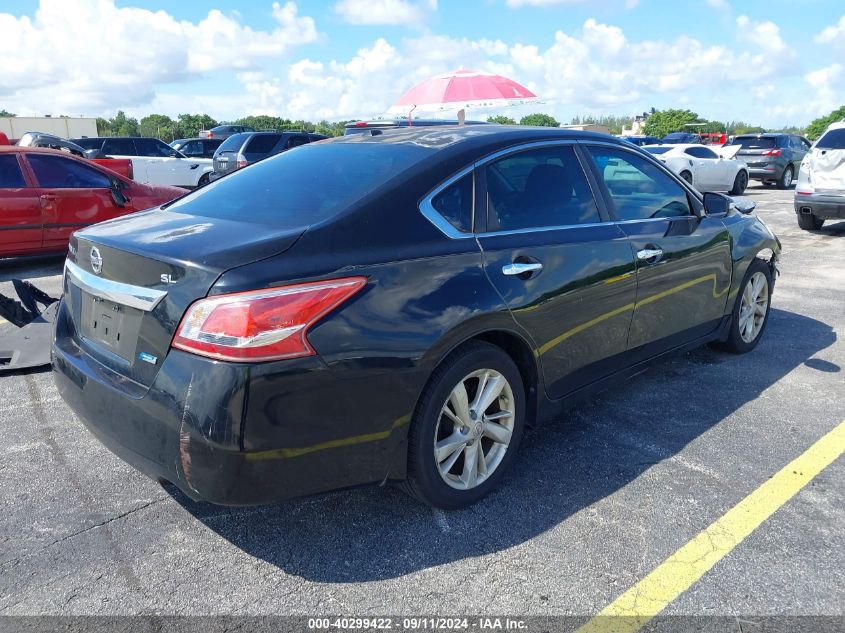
[9, 149]
[763, 135]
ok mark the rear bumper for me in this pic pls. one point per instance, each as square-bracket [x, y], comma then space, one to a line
[234, 434]
[770, 172]
[822, 206]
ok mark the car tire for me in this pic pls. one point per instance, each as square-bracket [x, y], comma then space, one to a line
[443, 477]
[740, 183]
[743, 335]
[203, 180]
[785, 180]
[686, 176]
[810, 222]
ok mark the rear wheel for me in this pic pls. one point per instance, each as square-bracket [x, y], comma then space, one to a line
[203, 180]
[751, 310]
[466, 427]
[686, 176]
[740, 183]
[810, 222]
[785, 180]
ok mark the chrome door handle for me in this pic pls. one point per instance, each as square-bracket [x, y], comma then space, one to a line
[521, 268]
[649, 253]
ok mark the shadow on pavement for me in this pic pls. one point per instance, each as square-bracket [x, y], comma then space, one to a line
[600, 446]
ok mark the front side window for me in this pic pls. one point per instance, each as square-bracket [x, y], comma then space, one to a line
[153, 147]
[701, 152]
[455, 203]
[296, 141]
[56, 172]
[538, 188]
[191, 148]
[638, 189]
[11, 176]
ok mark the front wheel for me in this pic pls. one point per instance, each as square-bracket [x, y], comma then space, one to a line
[687, 176]
[751, 310]
[203, 180]
[785, 180]
[740, 183]
[466, 428]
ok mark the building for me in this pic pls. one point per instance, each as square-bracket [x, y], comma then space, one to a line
[66, 127]
[588, 127]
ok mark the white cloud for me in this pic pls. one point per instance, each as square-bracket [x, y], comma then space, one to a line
[833, 34]
[721, 5]
[393, 12]
[91, 55]
[516, 4]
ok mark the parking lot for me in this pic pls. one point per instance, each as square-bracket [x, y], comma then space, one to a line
[596, 501]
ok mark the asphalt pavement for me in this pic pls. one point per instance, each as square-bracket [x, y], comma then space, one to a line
[596, 500]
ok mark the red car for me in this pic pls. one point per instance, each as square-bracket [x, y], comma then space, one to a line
[45, 195]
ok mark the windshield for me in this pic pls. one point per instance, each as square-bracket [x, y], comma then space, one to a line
[656, 150]
[832, 139]
[755, 142]
[303, 186]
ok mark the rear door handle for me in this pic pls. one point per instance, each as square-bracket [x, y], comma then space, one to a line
[48, 196]
[521, 268]
[650, 255]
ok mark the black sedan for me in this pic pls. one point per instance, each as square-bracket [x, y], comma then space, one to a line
[394, 308]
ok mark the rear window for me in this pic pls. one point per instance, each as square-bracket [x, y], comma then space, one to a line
[233, 143]
[833, 139]
[657, 150]
[754, 142]
[262, 143]
[307, 186]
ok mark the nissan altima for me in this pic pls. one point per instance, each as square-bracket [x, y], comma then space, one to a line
[395, 308]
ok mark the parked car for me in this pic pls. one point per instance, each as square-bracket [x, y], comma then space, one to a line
[197, 147]
[122, 166]
[705, 168]
[240, 150]
[820, 190]
[225, 131]
[47, 194]
[377, 126]
[395, 308]
[153, 161]
[641, 140]
[683, 138]
[773, 158]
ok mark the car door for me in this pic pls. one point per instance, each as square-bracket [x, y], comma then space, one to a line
[125, 148]
[567, 275]
[722, 170]
[21, 223]
[706, 172]
[72, 194]
[799, 151]
[683, 260]
[162, 167]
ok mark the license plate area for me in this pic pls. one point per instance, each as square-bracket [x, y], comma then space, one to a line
[110, 325]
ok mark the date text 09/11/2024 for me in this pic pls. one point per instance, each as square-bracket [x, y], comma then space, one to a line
[417, 624]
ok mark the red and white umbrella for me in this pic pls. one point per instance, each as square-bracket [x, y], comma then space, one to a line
[463, 89]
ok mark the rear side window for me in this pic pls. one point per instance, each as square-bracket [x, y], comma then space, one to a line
[538, 188]
[638, 188]
[455, 203]
[233, 143]
[262, 143]
[657, 150]
[295, 189]
[11, 176]
[754, 142]
[119, 147]
[296, 141]
[833, 139]
[55, 172]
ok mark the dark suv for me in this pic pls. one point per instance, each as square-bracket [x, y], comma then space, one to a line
[197, 147]
[772, 158]
[240, 150]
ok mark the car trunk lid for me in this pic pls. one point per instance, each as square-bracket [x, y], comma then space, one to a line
[128, 282]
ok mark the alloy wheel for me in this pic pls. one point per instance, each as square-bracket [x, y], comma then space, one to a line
[474, 430]
[753, 307]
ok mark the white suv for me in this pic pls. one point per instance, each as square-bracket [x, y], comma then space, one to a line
[153, 161]
[820, 191]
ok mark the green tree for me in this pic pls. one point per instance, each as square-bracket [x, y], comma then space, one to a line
[158, 126]
[741, 127]
[103, 127]
[613, 123]
[501, 119]
[6, 113]
[265, 122]
[818, 126]
[544, 120]
[119, 125]
[189, 125]
[330, 129]
[663, 122]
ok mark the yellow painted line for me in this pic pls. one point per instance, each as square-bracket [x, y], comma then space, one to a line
[287, 453]
[634, 608]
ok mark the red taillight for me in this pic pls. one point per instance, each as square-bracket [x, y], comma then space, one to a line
[773, 152]
[261, 325]
[241, 163]
[361, 124]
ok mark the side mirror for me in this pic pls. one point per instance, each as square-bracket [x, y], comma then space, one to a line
[716, 203]
[173, 153]
[117, 195]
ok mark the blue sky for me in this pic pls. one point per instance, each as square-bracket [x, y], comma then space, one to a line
[774, 62]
